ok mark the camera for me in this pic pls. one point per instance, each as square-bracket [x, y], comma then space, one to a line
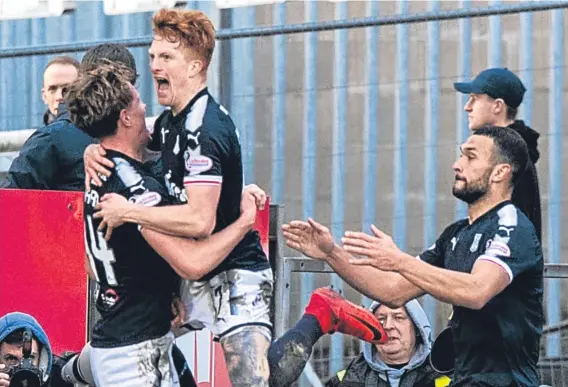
[25, 374]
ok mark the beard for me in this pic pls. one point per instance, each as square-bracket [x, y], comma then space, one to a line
[472, 191]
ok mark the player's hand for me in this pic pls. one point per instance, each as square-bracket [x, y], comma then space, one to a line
[4, 378]
[248, 208]
[377, 250]
[111, 209]
[309, 238]
[95, 163]
[258, 194]
[178, 310]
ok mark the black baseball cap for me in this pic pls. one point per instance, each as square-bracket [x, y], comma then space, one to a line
[496, 83]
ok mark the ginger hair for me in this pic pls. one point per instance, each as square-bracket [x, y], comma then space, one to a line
[191, 28]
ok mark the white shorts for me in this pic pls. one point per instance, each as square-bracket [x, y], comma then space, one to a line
[231, 300]
[146, 364]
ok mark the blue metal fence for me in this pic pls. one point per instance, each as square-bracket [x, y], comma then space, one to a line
[359, 86]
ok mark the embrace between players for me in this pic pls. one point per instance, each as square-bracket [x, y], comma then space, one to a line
[169, 235]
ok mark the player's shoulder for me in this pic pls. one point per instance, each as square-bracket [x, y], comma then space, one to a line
[217, 119]
[511, 217]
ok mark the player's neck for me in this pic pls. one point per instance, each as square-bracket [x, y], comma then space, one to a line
[504, 122]
[192, 91]
[118, 144]
[485, 204]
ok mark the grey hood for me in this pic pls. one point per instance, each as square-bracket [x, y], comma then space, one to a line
[421, 322]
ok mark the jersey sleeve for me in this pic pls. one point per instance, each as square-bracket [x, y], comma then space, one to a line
[204, 155]
[514, 248]
[435, 254]
[36, 164]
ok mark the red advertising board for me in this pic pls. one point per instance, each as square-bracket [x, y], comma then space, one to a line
[42, 273]
[42, 269]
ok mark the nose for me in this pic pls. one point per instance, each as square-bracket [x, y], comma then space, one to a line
[59, 94]
[456, 166]
[388, 323]
[467, 106]
[154, 66]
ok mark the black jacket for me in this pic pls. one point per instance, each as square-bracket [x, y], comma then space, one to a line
[52, 158]
[526, 195]
[360, 374]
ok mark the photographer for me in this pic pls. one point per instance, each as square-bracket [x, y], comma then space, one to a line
[36, 367]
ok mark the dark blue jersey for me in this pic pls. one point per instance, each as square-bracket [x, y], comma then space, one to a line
[499, 344]
[200, 146]
[135, 285]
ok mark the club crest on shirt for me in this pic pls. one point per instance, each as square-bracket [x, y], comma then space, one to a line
[475, 244]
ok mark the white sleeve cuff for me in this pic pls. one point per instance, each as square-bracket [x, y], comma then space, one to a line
[500, 263]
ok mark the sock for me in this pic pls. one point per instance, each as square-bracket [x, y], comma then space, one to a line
[288, 355]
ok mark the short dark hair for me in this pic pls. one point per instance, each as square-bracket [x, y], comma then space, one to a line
[63, 60]
[97, 97]
[512, 113]
[105, 52]
[510, 148]
[16, 337]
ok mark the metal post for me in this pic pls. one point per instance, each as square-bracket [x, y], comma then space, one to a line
[494, 46]
[400, 127]
[464, 71]
[370, 124]
[242, 89]
[310, 127]
[338, 161]
[281, 274]
[553, 347]
[525, 66]
[431, 149]
[279, 107]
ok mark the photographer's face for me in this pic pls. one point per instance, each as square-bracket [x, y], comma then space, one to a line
[11, 354]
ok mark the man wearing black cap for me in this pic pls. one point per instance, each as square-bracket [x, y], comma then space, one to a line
[494, 97]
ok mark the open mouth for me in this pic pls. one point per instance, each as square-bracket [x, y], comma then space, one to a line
[163, 84]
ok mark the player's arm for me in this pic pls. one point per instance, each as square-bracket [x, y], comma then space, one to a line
[512, 251]
[203, 178]
[195, 219]
[390, 288]
[314, 240]
[471, 290]
[375, 273]
[36, 164]
[192, 259]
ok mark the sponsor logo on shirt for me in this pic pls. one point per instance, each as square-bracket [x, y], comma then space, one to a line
[497, 249]
[196, 164]
[147, 199]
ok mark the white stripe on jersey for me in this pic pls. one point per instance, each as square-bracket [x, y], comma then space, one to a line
[203, 180]
[194, 119]
[500, 263]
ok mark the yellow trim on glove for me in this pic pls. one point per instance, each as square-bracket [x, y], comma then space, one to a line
[442, 381]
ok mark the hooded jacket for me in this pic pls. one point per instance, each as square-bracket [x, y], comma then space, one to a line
[526, 195]
[14, 321]
[51, 158]
[368, 370]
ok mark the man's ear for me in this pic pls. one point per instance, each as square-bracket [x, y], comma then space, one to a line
[501, 172]
[124, 117]
[43, 96]
[195, 67]
[499, 106]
